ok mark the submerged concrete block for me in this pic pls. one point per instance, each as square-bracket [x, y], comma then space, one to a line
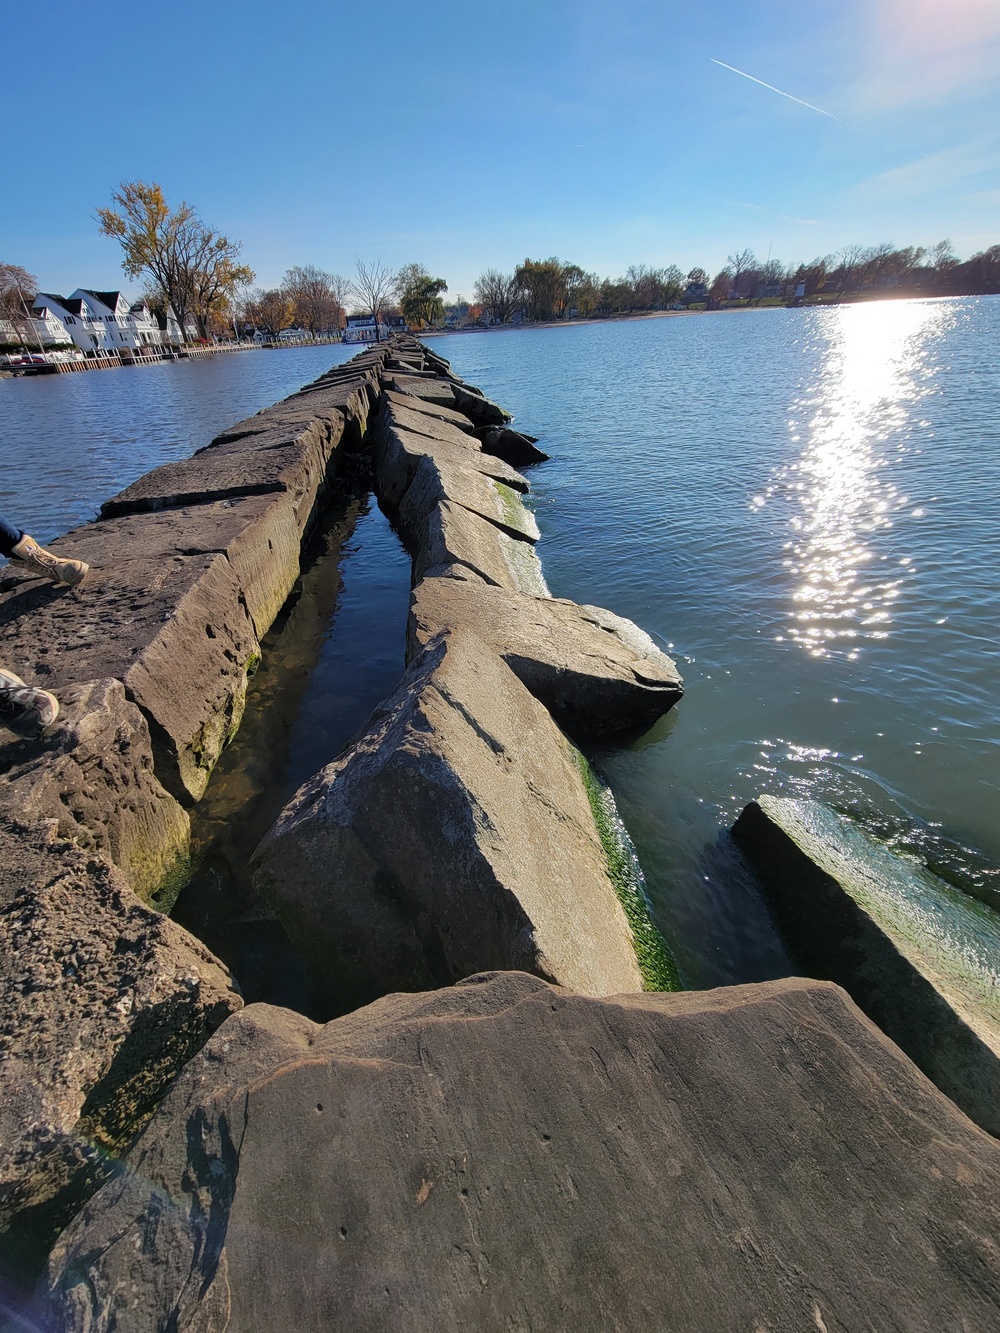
[455, 835]
[506, 1155]
[920, 958]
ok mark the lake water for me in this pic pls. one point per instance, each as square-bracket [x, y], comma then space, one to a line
[802, 507]
[799, 505]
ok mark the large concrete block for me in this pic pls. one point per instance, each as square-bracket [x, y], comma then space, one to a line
[433, 410]
[438, 479]
[174, 629]
[419, 423]
[453, 535]
[506, 1155]
[598, 674]
[398, 454]
[455, 835]
[237, 466]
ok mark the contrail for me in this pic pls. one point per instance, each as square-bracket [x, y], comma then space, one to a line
[743, 74]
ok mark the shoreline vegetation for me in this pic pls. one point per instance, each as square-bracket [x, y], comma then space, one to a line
[197, 290]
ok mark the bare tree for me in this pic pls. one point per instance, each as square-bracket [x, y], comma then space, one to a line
[941, 257]
[17, 291]
[852, 261]
[739, 264]
[317, 297]
[498, 294]
[373, 286]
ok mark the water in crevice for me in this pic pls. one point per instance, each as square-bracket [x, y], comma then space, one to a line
[334, 653]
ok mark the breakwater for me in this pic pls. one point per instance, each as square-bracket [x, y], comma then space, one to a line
[460, 832]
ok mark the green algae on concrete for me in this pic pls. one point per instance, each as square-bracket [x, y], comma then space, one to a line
[919, 957]
[656, 962]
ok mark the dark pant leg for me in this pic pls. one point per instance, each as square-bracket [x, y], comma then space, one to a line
[9, 536]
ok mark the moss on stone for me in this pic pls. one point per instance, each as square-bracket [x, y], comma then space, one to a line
[169, 888]
[513, 509]
[656, 962]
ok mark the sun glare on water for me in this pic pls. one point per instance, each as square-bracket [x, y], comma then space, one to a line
[839, 494]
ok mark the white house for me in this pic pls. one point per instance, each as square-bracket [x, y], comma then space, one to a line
[44, 329]
[361, 328]
[128, 325]
[80, 318]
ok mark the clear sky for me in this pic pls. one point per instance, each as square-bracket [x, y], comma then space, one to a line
[466, 134]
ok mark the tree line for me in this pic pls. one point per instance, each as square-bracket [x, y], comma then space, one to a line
[195, 271]
[551, 289]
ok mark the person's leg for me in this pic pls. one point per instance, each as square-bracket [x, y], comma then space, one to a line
[24, 709]
[9, 536]
[17, 545]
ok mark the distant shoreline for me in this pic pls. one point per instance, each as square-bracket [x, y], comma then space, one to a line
[668, 314]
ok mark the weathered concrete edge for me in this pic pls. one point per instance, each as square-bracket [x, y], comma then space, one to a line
[839, 939]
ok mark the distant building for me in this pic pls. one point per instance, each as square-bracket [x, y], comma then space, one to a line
[361, 328]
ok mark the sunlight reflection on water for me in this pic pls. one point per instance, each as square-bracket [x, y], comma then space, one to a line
[850, 423]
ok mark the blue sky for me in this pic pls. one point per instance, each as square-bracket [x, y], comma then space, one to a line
[464, 134]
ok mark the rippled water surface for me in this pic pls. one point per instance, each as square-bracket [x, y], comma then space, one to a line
[802, 506]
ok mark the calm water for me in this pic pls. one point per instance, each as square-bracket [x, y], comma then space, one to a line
[799, 505]
[802, 506]
[68, 442]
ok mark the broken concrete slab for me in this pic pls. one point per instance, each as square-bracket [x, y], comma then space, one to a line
[436, 480]
[426, 409]
[174, 629]
[455, 834]
[453, 535]
[598, 674]
[919, 957]
[91, 777]
[102, 1002]
[506, 1155]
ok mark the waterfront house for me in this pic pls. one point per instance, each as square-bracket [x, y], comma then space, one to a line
[80, 317]
[43, 329]
[128, 325]
[360, 329]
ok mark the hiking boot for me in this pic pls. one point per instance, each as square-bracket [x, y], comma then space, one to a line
[25, 710]
[52, 566]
